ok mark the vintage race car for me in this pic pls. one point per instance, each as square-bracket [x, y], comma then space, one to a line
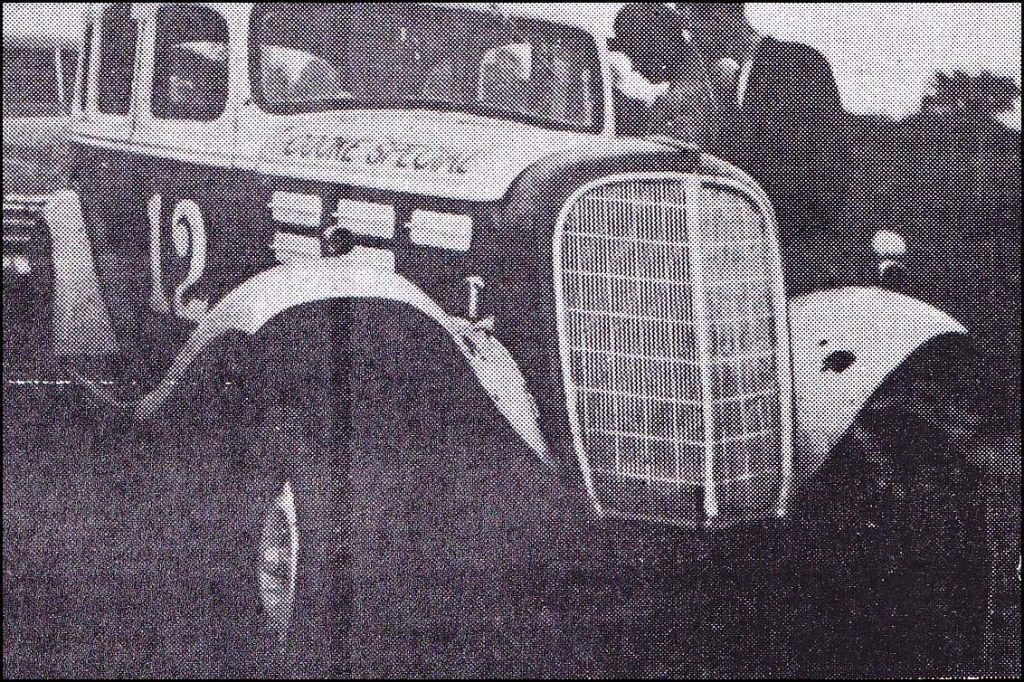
[308, 240]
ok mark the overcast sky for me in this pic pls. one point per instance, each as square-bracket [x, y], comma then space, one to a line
[882, 53]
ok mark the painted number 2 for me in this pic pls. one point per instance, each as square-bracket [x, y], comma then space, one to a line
[188, 239]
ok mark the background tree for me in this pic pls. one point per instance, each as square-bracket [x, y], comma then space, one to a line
[958, 92]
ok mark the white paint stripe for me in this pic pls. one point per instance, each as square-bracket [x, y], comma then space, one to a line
[80, 321]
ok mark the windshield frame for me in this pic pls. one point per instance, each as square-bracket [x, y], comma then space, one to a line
[596, 94]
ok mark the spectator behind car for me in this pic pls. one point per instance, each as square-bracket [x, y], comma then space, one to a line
[650, 52]
[777, 114]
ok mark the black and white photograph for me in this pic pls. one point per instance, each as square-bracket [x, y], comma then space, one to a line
[511, 340]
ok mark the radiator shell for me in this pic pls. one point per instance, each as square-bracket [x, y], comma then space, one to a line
[674, 347]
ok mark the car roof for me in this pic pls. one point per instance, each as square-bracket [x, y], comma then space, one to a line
[596, 18]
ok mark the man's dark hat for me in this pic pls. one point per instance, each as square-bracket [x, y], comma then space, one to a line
[638, 23]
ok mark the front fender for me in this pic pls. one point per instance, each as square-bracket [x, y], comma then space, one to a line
[845, 343]
[264, 296]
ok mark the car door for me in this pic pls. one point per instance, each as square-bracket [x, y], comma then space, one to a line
[186, 130]
[105, 168]
[108, 111]
[106, 118]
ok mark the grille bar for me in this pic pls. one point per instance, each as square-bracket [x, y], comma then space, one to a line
[693, 226]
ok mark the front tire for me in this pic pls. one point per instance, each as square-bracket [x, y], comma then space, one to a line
[282, 614]
[257, 545]
[277, 559]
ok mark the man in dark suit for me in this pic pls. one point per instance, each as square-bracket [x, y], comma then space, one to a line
[774, 110]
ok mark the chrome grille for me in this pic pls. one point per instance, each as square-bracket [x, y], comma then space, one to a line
[21, 211]
[669, 314]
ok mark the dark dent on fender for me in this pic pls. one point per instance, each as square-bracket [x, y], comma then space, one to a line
[838, 361]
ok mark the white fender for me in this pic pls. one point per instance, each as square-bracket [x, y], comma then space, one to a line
[81, 325]
[256, 301]
[878, 328]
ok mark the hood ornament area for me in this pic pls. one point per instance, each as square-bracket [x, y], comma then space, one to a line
[476, 283]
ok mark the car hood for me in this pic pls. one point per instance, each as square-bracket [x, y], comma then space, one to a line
[458, 156]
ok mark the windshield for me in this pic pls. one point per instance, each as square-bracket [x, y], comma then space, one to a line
[409, 55]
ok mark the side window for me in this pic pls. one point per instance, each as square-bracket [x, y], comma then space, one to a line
[190, 66]
[117, 60]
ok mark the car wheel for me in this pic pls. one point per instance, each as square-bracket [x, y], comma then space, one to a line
[268, 601]
[915, 440]
[277, 559]
[251, 600]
